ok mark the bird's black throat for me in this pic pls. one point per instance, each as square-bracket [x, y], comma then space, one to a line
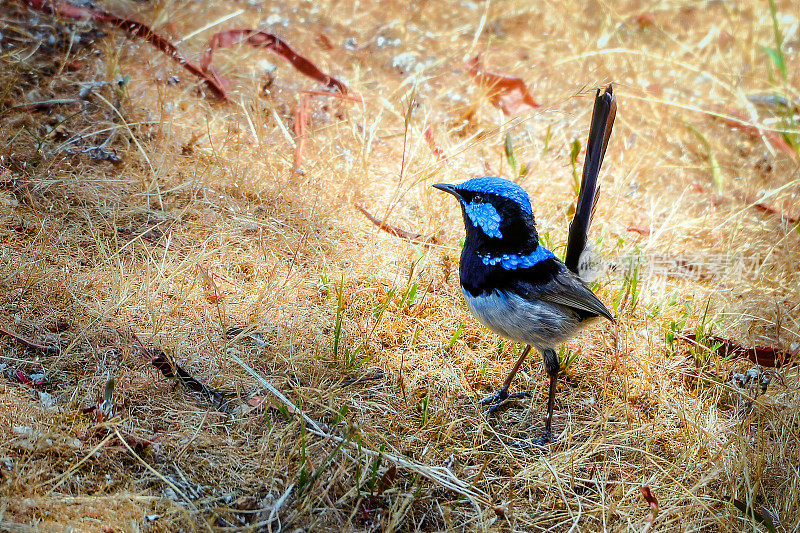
[519, 237]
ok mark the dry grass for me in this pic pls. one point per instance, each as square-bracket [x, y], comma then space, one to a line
[112, 249]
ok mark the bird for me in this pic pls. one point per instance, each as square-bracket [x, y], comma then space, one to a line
[514, 285]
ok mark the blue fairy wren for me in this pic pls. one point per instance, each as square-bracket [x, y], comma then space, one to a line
[515, 286]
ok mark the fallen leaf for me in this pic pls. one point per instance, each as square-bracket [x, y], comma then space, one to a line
[60, 324]
[340, 96]
[641, 230]
[133, 27]
[258, 402]
[650, 498]
[507, 93]
[757, 204]
[213, 292]
[767, 208]
[765, 516]
[645, 20]
[170, 369]
[205, 71]
[64, 9]
[138, 444]
[740, 122]
[32, 380]
[387, 480]
[766, 356]
[438, 153]
[262, 39]
[324, 41]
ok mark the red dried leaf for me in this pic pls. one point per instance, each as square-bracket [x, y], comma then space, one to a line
[645, 20]
[500, 510]
[505, 92]
[259, 402]
[170, 369]
[300, 123]
[136, 29]
[740, 122]
[36, 382]
[438, 153]
[145, 33]
[641, 230]
[324, 41]
[63, 9]
[205, 71]
[397, 232]
[767, 208]
[138, 444]
[387, 480]
[772, 210]
[766, 356]
[749, 199]
[60, 324]
[100, 412]
[22, 377]
[262, 39]
[652, 501]
[214, 294]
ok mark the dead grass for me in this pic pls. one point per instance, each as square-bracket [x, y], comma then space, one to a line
[94, 251]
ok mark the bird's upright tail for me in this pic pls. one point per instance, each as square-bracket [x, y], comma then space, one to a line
[605, 109]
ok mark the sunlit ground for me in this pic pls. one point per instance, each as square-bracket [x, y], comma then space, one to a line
[205, 242]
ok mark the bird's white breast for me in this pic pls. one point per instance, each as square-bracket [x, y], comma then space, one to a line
[540, 324]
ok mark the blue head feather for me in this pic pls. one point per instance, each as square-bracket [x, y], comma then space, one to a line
[500, 187]
[486, 217]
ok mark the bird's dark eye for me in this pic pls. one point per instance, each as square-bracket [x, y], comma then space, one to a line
[477, 199]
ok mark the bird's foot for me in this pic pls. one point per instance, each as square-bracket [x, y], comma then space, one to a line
[541, 442]
[545, 439]
[499, 398]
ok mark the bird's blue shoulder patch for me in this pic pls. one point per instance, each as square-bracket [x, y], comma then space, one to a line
[485, 217]
[500, 187]
[515, 261]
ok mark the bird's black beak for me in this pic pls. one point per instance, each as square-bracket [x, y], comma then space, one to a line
[446, 187]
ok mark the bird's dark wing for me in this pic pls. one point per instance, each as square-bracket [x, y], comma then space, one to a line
[605, 109]
[565, 288]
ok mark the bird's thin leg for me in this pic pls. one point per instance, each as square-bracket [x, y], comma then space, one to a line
[553, 366]
[547, 437]
[498, 398]
[551, 401]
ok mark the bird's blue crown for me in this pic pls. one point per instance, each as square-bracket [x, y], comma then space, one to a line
[500, 187]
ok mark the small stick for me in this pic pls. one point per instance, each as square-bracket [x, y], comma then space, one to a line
[28, 342]
[397, 232]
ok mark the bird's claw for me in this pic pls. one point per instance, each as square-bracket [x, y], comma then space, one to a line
[541, 442]
[500, 397]
[544, 440]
